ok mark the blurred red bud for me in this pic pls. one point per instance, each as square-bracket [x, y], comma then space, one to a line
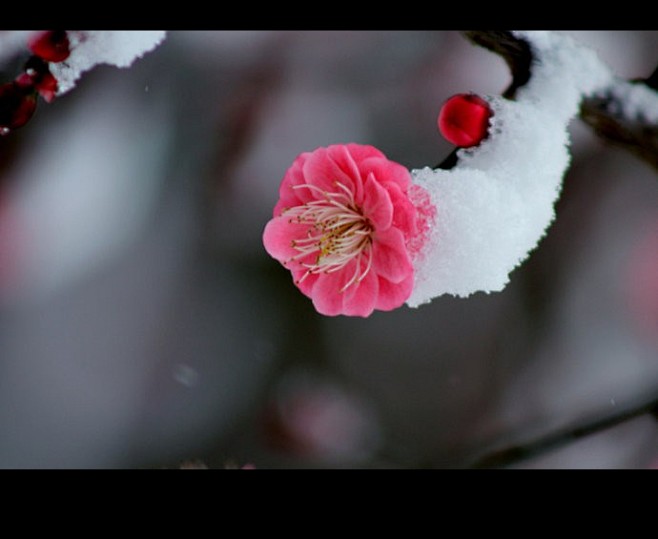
[17, 105]
[51, 45]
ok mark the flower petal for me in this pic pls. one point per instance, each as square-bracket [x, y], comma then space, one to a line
[386, 171]
[290, 197]
[278, 236]
[305, 284]
[361, 298]
[321, 171]
[361, 152]
[349, 157]
[377, 205]
[326, 293]
[391, 296]
[404, 212]
[390, 257]
[358, 299]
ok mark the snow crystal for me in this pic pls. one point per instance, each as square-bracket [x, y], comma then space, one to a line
[90, 48]
[495, 205]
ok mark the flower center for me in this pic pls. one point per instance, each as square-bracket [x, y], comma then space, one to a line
[338, 233]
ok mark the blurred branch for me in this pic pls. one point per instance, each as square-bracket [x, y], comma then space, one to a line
[515, 453]
[602, 112]
[637, 135]
[516, 53]
[652, 80]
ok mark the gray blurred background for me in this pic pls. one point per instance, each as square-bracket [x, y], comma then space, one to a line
[143, 325]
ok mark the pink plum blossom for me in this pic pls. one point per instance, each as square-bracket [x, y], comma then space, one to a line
[343, 226]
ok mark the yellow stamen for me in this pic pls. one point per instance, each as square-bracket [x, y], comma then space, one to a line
[338, 233]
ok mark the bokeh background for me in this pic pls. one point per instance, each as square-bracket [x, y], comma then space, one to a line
[142, 324]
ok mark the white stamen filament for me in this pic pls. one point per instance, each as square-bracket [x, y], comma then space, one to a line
[338, 233]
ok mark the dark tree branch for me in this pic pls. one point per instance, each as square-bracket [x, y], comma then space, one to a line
[636, 135]
[450, 161]
[652, 80]
[515, 453]
[516, 53]
[602, 112]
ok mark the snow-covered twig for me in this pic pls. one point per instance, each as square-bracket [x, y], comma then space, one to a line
[494, 202]
[92, 48]
[625, 113]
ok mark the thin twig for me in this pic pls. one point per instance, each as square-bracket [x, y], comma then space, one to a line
[636, 135]
[516, 53]
[533, 448]
[652, 80]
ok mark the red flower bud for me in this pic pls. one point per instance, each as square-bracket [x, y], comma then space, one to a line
[464, 120]
[51, 45]
[47, 87]
[17, 105]
[37, 76]
[25, 81]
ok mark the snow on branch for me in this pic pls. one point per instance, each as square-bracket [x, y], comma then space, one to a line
[624, 113]
[90, 48]
[495, 201]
